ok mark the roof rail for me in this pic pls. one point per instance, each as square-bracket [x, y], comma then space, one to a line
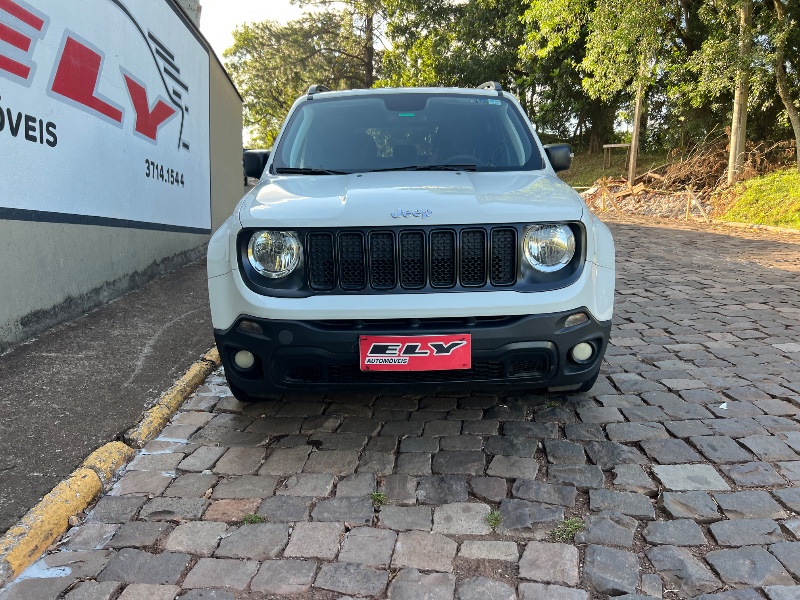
[491, 85]
[317, 89]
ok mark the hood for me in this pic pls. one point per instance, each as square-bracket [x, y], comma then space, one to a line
[409, 198]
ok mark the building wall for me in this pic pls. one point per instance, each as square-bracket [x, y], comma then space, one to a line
[58, 263]
[52, 272]
[226, 145]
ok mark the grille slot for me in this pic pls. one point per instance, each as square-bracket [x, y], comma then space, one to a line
[321, 274]
[504, 253]
[351, 261]
[412, 259]
[381, 257]
[443, 258]
[473, 257]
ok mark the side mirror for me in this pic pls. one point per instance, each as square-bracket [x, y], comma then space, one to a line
[254, 162]
[559, 155]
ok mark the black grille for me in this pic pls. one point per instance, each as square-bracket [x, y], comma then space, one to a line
[527, 367]
[384, 259]
[412, 259]
[304, 372]
[473, 257]
[504, 265]
[321, 274]
[443, 258]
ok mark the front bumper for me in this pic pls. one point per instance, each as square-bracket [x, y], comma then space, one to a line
[527, 350]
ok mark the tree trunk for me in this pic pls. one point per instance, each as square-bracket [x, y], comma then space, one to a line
[780, 76]
[369, 51]
[739, 124]
[578, 129]
[594, 141]
[522, 96]
[601, 118]
[636, 127]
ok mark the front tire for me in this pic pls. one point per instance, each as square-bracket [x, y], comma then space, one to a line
[587, 385]
[240, 394]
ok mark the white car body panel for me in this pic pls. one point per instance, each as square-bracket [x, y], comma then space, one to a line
[369, 199]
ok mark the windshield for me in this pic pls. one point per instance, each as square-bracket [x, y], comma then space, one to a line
[412, 131]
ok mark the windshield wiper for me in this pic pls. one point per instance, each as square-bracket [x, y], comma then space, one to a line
[428, 168]
[308, 171]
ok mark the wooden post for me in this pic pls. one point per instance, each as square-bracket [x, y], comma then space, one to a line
[603, 193]
[614, 203]
[636, 125]
[699, 205]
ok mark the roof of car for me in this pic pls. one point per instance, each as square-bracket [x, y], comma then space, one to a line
[409, 90]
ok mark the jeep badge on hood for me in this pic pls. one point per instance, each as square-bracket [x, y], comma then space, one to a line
[412, 213]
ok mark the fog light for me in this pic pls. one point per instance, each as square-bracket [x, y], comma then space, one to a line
[576, 319]
[582, 352]
[250, 327]
[244, 359]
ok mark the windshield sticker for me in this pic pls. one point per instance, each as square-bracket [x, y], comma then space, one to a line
[493, 101]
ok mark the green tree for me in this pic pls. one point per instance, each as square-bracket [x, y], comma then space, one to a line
[750, 59]
[575, 65]
[785, 38]
[367, 19]
[440, 42]
[624, 43]
[273, 64]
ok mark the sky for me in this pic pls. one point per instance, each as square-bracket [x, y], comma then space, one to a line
[220, 17]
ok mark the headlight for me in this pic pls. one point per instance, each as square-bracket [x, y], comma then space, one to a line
[274, 254]
[549, 248]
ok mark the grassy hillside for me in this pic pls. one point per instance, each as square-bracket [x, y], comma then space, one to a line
[772, 199]
[588, 168]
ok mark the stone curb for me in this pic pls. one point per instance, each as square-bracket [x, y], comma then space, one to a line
[772, 228]
[26, 541]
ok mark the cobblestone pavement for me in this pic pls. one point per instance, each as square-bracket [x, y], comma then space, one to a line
[679, 471]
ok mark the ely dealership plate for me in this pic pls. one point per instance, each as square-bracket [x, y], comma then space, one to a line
[415, 352]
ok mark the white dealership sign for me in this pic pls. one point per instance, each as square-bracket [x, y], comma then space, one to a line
[104, 114]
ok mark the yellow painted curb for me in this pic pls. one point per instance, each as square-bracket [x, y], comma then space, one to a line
[108, 459]
[28, 539]
[156, 417]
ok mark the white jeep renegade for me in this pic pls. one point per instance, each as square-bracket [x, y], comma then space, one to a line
[410, 237]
